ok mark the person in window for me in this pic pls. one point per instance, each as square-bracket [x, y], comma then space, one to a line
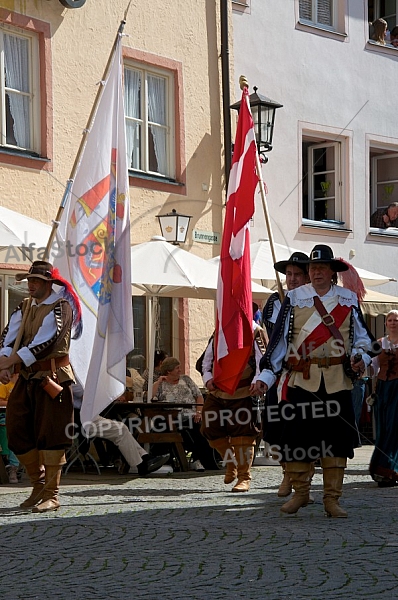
[379, 31]
[385, 217]
[394, 36]
[174, 387]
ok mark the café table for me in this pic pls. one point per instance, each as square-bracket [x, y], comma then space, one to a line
[157, 424]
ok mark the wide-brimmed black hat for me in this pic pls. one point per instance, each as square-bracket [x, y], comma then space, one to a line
[324, 254]
[297, 258]
[41, 270]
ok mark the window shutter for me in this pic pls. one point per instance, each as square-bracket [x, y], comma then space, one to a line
[306, 10]
[325, 12]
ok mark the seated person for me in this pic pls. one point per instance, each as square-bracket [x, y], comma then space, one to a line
[160, 355]
[10, 460]
[134, 382]
[385, 217]
[118, 433]
[171, 386]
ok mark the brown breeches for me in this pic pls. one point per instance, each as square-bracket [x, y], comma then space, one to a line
[229, 418]
[34, 420]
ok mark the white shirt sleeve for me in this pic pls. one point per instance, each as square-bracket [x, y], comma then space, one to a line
[47, 331]
[207, 364]
[361, 341]
[277, 356]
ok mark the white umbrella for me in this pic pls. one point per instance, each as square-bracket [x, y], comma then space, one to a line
[263, 265]
[160, 269]
[21, 237]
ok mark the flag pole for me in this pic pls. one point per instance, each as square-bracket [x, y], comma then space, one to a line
[86, 131]
[244, 83]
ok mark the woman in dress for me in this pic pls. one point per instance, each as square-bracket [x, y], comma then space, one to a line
[384, 462]
[172, 386]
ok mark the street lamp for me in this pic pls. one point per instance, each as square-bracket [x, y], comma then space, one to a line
[174, 226]
[263, 111]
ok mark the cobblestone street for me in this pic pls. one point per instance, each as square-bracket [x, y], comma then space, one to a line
[185, 536]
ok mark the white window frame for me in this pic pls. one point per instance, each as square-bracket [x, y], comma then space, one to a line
[34, 90]
[375, 183]
[146, 70]
[314, 16]
[337, 179]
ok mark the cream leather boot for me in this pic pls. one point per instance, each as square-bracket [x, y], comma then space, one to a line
[227, 453]
[53, 461]
[30, 460]
[299, 473]
[285, 488]
[244, 453]
[333, 475]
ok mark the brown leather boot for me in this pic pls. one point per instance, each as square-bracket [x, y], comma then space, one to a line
[285, 488]
[30, 460]
[299, 473]
[227, 453]
[53, 461]
[244, 453]
[333, 475]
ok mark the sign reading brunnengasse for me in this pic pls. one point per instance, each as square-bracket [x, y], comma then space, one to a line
[73, 3]
[206, 237]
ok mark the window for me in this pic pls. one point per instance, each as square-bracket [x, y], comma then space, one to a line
[383, 183]
[383, 9]
[317, 12]
[138, 358]
[12, 292]
[322, 181]
[149, 121]
[25, 91]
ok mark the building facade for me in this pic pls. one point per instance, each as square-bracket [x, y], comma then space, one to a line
[335, 157]
[53, 55]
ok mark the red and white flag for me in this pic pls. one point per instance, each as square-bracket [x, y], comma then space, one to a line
[234, 323]
[94, 251]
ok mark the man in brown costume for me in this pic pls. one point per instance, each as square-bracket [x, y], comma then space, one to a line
[37, 423]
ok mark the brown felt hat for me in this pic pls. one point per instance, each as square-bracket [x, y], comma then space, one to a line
[41, 270]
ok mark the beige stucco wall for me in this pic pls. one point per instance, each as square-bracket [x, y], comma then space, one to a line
[81, 39]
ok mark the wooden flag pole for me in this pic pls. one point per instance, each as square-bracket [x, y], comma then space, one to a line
[86, 131]
[244, 83]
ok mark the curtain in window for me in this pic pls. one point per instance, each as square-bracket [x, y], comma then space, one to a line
[325, 12]
[306, 9]
[132, 99]
[16, 60]
[318, 11]
[157, 118]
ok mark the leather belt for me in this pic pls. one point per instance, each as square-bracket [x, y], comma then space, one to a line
[245, 382]
[302, 365]
[43, 365]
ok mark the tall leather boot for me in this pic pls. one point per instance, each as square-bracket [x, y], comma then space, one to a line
[299, 473]
[53, 461]
[30, 460]
[244, 453]
[285, 488]
[333, 475]
[227, 453]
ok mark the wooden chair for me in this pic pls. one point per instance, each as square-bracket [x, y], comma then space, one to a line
[146, 436]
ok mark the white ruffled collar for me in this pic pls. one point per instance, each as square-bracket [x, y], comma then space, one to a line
[304, 296]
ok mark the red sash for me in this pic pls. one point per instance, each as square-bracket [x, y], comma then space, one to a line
[322, 333]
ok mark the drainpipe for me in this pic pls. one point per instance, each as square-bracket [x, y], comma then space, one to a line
[226, 89]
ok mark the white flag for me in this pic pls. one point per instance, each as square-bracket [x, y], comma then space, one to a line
[94, 251]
